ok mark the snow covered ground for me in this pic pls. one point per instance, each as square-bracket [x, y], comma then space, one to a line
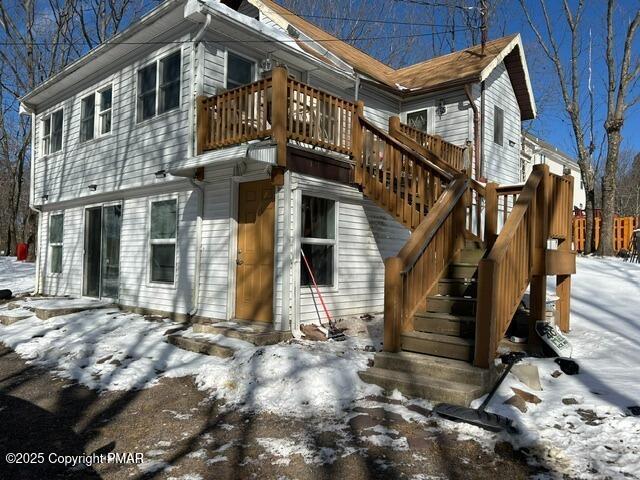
[17, 276]
[582, 426]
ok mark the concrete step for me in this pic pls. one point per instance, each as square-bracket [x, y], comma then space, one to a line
[462, 270]
[439, 345]
[458, 287]
[469, 255]
[200, 346]
[12, 315]
[465, 306]
[445, 324]
[56, 307]
[423, 385]
[436, 367]
[253, 332]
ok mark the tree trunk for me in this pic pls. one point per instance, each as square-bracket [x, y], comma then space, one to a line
[589, 234]
[609, 193]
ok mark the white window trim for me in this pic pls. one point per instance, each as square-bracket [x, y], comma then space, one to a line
[241, 55]
[157, 61]
[321, 241]
[163, 241]
[56, 244]
[49, 116]
[100, 112]
[431, 117]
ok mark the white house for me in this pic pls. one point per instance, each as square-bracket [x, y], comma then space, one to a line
[136, 211]
[536, 151]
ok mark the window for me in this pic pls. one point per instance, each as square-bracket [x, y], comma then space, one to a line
[56, 226]
[318, 241]
[87, 116]
[418, 120]
[498, 125]
[239, 71]
[164, 226]
[52, 133]
[159, 87]
[169, 83]
[147, 92]
[104, 111]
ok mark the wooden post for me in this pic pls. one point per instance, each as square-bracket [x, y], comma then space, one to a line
[488, 293]
[538, 290]
[392, 304]
[394, 126]
[357, 142]
[490, 214]
[279, 105]
[202, 123]
[468, 158]
[563, 282]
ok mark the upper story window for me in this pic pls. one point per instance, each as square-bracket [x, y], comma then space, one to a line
[240, 71]
[92, 125]
[418, 120]
[498, 125]
[52, 132]
[318, 241]
[159, 87]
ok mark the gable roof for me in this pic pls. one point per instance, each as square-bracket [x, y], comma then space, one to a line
[455, 69]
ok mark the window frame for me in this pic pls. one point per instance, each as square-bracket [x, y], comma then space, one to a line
[497, 109]
[83, 119]
[51, 245]
[99, 112]
[252, 61]
[321, 241]
[157, 61]
[48, 117]
[162, 241]
[431, 117]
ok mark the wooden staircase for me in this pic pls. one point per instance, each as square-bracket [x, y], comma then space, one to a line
[452, 290]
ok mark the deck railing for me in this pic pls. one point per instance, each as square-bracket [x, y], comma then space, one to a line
[397, 178]
[277, 107]
[448, 152]
[411, 275]
[519, 257]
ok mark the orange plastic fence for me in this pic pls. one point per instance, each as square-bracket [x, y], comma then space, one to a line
[623, 228]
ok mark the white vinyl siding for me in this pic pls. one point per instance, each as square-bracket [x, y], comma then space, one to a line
[130, 155]
[501, 162]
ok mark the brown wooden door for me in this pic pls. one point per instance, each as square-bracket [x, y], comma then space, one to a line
[254, 273]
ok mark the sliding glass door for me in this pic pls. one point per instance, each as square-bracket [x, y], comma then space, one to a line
[102, 251]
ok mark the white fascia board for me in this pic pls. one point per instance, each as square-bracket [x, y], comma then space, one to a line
[516, 42]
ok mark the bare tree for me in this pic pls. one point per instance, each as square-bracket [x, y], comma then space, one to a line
[569, 76]
[619, 81]
[38, 39]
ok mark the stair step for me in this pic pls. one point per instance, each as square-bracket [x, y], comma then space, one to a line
[455, 305]
[423, 386]
[437, 367]
[200, 346]
[462, 270]
[458, 287]
[438, 345]
[470, 255]
[473, 244]
[445, 324]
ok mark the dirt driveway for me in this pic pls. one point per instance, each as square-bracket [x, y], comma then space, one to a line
[183, 434]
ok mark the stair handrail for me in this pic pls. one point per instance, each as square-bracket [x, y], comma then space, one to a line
[442, 171]
[410, 276]
[506, 271]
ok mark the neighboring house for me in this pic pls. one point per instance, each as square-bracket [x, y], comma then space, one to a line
[536, 151]
[195, 164]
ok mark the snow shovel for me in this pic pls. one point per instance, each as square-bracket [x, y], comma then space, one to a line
[478, 416]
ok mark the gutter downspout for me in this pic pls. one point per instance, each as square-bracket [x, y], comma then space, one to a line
[198, 87]
[356, 94]
[476, 130]
[195, 300]
[38, 210]
[482, 126]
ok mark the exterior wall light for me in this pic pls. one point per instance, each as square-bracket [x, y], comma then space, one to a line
[161, 174]
[93, 187]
